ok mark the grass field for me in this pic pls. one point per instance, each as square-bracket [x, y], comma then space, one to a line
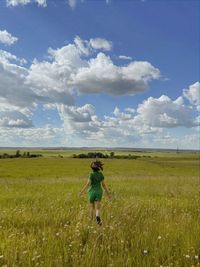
[152, 220]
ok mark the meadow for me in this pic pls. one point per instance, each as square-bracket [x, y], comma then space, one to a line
[152, 220]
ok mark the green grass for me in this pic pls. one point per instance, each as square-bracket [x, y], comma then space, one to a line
[153, 219]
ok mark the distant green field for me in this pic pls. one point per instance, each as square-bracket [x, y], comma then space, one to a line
[69, 153]
[152, 220]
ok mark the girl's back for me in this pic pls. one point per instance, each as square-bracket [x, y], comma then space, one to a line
[96, 178]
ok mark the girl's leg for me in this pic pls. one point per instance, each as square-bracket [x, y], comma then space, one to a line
[92, 210]
[98, 206]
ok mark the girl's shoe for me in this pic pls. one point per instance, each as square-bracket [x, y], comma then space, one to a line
[98, 220]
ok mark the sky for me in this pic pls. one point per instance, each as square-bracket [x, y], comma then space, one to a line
[106, 73]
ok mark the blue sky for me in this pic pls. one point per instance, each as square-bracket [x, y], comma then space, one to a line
[99, 73]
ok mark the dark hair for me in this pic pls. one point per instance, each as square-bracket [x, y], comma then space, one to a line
[96, 165]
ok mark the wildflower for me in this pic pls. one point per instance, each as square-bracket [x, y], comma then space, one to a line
[196, 257]
[1, 256]
[145, 251]
[57, 234]
[187, 256]
[10, 236]
[159, 237]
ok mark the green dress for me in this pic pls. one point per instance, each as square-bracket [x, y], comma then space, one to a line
[95, 191]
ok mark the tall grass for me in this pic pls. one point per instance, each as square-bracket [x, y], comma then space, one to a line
[152, 220]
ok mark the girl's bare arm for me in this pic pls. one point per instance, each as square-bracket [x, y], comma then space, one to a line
[106, 189]
[84, 187]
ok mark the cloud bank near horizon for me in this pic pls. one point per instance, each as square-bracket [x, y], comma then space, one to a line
[84, 67]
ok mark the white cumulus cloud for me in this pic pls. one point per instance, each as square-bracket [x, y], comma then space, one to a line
[72, 3]
[82, 45]
[102, 75]
[122, 115]
[125, 57]
[77, 114]
[164, 112]
[79, 121]
[7, 38]
[14, 119]
[68, 69]
[7, 57]
[100, 43]
[52, 83]
[193, 93]
[42, 3]
[88, 47]
[13, 87]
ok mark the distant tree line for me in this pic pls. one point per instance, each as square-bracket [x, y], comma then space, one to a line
[99, 155]
[19, 155]
[91, 155]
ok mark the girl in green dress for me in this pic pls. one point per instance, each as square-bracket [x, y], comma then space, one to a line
[95, 192]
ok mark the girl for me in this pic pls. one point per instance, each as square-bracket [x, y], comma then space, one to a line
[95, 192]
